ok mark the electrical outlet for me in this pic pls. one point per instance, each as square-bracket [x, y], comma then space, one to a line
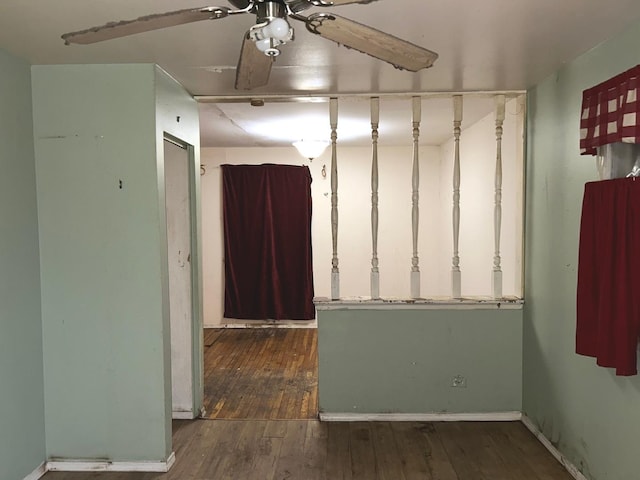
[459, 381]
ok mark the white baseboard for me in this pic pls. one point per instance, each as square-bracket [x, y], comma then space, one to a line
[571, 468]
[421, 417]
[182, 415]
[37, 473]
[98, 466]
[308, 324]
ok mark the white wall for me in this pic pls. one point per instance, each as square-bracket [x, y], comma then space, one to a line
[395, 247]
[394, 241]
[477, 200]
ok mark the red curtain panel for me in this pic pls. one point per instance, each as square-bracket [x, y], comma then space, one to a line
[267, 242]
[608, 294]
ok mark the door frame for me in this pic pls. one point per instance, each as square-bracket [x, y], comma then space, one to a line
[197, 339]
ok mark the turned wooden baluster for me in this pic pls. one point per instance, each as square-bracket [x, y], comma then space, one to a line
[335, 272]
[375, 271]
[415, 197]
[496, 278]
[456, 274]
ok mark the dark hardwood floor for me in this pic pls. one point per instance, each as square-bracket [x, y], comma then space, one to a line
[261, 374]
[310, 450]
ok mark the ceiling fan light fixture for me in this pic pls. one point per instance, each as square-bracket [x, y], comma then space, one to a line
[268, 47]
[268, 36]
[279, 29]
[311, 148]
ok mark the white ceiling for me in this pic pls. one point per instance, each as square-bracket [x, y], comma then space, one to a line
[506, 45]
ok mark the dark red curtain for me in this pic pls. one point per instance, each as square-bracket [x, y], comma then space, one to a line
[267, 242]
[608, 296]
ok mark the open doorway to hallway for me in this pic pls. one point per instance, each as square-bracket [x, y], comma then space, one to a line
[261, 373]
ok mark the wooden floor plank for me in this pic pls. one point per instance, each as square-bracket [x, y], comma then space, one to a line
[275, 429]
[211, 336]
[280, 357]
[292, 464]
[240, 461]
[220, 443]
[457, 447]
[315, 451]
[261, 373]
[477, 446]
[338, 464]
[363, 456]
[534, 454]
[268, 452]
[507, 450]
[418, 460]
[310, 450]
[388, 462]
[192, 443]
[236, 379]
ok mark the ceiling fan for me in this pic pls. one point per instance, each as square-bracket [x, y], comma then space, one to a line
[261, 43]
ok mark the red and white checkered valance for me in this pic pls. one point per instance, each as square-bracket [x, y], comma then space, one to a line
[611, 112]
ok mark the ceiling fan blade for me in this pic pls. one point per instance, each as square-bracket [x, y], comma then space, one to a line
[144, 24]
[399, 53]
[335, 3]
[254, 67]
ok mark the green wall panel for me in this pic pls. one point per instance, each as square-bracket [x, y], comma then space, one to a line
[592, 416]
[22, 445]
[404, 361]
[98, 144]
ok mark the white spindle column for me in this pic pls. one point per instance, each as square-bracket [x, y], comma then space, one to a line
[375, 271]
[456, 274]
[415, 197]
[496, 278]
[335, 272]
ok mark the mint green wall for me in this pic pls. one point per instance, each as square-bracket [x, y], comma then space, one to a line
[177, 115]
[103, 261]
[22, 447]
[403, 361]
[592, 416]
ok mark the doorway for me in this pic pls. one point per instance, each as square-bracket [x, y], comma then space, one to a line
[253, 369]
[181, 243]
